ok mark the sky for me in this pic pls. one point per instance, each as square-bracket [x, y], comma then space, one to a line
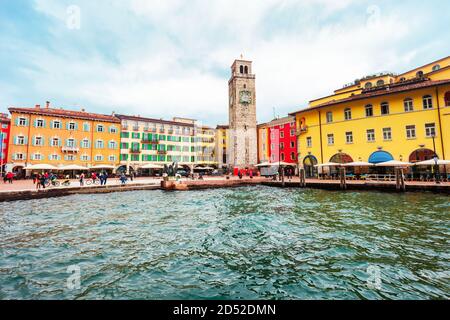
[166, 58]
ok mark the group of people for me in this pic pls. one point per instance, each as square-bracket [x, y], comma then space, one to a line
[245, 172]
[41, 179]
[8, 177]
[103, 177]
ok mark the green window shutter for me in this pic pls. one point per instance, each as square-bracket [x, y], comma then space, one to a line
[44, 123]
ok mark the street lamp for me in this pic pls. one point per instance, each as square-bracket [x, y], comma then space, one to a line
[436, 159]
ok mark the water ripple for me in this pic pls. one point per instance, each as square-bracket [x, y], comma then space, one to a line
[244, 243]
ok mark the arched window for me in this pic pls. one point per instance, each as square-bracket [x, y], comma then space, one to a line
[341, 158]
[408, 104]
[436, 67]
[447, 99]
[246, 70]
[348, 114]
[241, 69]
[402, 79]
[380, 83]
[419, 74]
[427, 102]
[368, 85]
[380, 156]
[421, 155]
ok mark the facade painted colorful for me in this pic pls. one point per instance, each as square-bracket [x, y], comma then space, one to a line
[263, 143]
[282, 140]
[4, 138]
[405, 117]
[62, 137]
[205, 147]
[155, 141]
[222, 146]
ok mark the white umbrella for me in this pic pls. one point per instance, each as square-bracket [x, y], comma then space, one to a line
[151, 166]
[394, 163]
[72, 168]
[328, 164]
[432, 163]
[358, 164]
[283, 164]
[264, 164]
[204, 168]
[41, 167]
[102, 166]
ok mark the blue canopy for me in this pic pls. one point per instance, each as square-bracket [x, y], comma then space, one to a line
[380, 156]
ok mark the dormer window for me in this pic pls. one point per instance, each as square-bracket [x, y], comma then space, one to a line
[436, 67]
[419, 74]
[380, 83]
[368, 85]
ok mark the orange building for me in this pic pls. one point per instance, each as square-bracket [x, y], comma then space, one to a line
[62, 137]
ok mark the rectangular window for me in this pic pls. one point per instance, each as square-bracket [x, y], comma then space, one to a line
[330, 138]
[22, 122]
[99, 144]
[85, 144]
[38, 141]
[387, 134]
[329, 117]
[98, 158]
[84, 157]
[70, 143]
[72, 126]
[39, 123]
[123, 157]
[408, 105]
[292, 144]
[281, 134]
[348, 114]
[371, 135]
[100, 128]
[37, 156]
[282, 145]
[56, 124]
[124, 146]
[55, 142]
[309, 142]
[427, 102]
[70, 157]
[385, 108]
[349, 137]
[113, 130]
[20, 140]
[20, 156]
[86, 127]
[54, 157]
[430, 130]
[369, 111]
[125, 135]
[411, 132]
[112, 158]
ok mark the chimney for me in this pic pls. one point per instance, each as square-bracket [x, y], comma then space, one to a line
[37, 106]
[113, 113]
[47, 104]
[83, 110]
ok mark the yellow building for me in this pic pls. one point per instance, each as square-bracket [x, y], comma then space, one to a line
[222, 150]
[62, 137]
[263, 142]
[205, 146]
[404, 117]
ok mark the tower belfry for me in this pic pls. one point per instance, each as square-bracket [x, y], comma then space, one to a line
[242, 115]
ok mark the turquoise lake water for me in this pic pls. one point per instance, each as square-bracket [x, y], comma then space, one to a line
[242, 243]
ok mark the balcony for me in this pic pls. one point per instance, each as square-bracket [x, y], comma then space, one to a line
[150, 141]
[70, 150]
[135, 128]
[162, 152]
[302, 131]
[135, 150]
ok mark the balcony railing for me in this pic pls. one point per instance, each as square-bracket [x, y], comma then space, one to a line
[70, 150]
[162, 152]
[302, 131]
[135, 150]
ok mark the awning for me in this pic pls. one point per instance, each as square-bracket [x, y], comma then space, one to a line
[72, 167]
[41, 167]
[264, 164]
[394, 163]
[432, 163]
[358, 164]
[283, 164]
[380, 156]
[328, 164]
[151, 166]
[102, 166]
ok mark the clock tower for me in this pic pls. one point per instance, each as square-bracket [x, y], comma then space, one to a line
[242, 116]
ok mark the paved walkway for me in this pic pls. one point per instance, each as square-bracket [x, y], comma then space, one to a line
[27, 185]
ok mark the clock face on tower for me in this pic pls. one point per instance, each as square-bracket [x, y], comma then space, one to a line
[245, 97]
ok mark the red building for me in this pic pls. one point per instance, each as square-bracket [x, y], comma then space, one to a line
[5, 127]
[283, 140]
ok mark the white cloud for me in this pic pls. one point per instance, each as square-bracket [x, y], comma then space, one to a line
[178, 63]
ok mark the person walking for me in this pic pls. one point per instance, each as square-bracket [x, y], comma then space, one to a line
[105, 178]
[123, 178]
[43, 181]
[132, 175]
[100, 176]
[82, 179]
[251, 174]
[38, 181]
[10, 177]
[240, 174]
